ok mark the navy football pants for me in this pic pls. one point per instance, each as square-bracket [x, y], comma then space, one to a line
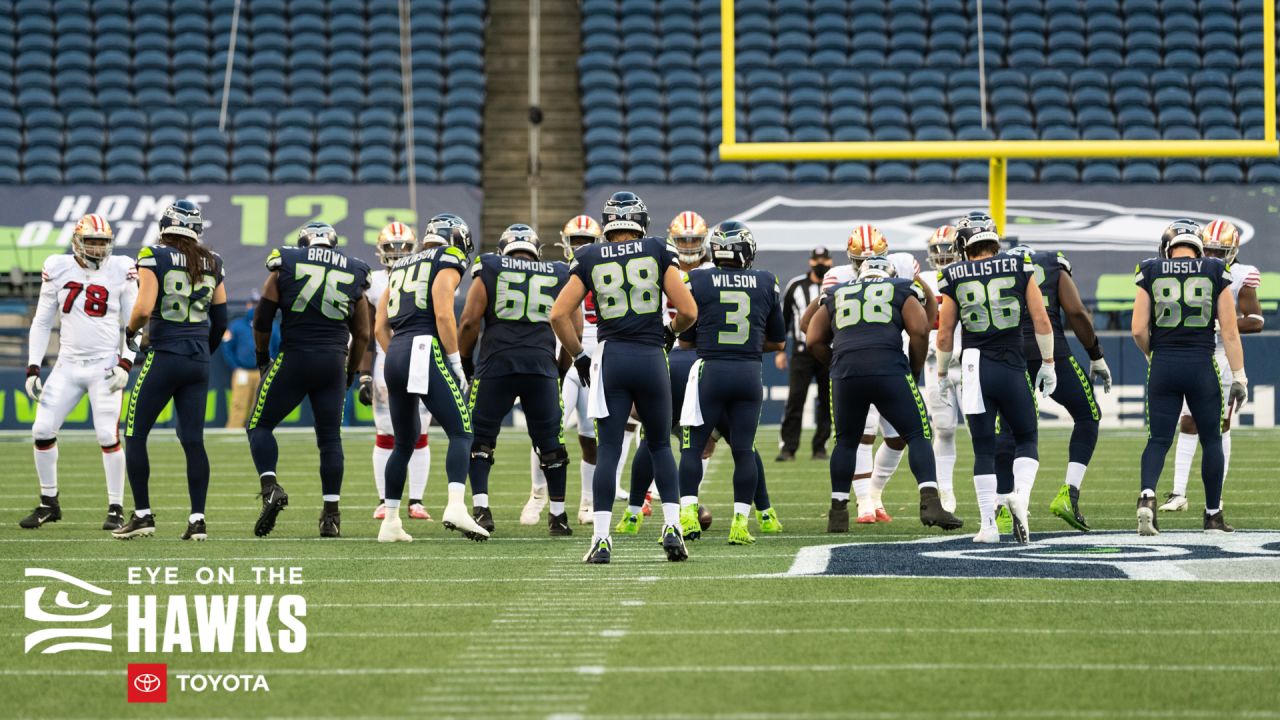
[294, 375]
[730, 394]
[445, 401]
[184, 379]
[1006, 391]
[1172, 377]
[899, 401]
[1075, 393]
[634, 374]
[539, 396]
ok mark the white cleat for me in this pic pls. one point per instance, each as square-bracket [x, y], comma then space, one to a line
[532, 512]
[987, 534]
[948, 498]
[1174, 503]
[393, 531]
[457, 518]
[1147, 522]
[380, 512]
[586, 513]
[1018, 509]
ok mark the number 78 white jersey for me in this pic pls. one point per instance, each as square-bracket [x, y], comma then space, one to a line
[93, 306]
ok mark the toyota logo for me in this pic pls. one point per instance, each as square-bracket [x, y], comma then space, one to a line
[146, 682]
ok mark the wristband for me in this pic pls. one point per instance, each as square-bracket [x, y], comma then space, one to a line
[944, 362]
[581, 354]
[1095, 352]
[454, 358]
[1239, 376]
[126, 364]
[33, 370]
[1045, 341]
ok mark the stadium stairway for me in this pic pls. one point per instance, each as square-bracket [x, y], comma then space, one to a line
[506, 160]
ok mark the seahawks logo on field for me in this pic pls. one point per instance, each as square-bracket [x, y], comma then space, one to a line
[1189, 556]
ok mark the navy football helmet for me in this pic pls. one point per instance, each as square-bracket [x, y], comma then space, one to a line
[517, 238]
[317, 234]
[877, 266]
[184, 219]
[624, 211]
[1182, 231]
[448, 229]
[733, 245]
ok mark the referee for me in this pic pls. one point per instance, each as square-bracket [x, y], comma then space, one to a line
[805, 368]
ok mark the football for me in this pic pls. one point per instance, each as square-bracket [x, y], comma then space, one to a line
[704, 517]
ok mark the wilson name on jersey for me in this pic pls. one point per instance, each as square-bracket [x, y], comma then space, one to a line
[738, 312]
[90, 304]
[991, 298]
[319, 289]
[867, 325]
[625, 280]
[1184, 300]
[410, 309]
[517, 335]
[180, 320]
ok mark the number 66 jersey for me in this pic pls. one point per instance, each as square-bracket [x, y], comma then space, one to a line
[93, 305]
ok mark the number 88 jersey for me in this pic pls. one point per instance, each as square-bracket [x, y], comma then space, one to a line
[866, 317]
[1184, 300]
[625, 279]
[991, 296]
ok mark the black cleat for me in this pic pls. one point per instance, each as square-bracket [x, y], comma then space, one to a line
[330, 523]
[115, 518]
[1216, 523]
[838, 517]
[673, 544]
[48, 511]
[601, 549]
[137, 526]
[483, 517]
[1147, 523]
[785, 456]
[820, 454]
[558, 525]
[274, 499]
[931, 512]
[196, 531]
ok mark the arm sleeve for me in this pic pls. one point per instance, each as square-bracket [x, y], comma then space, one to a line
[42, 323]
[217, 325]
[775, 330]
[127, 300]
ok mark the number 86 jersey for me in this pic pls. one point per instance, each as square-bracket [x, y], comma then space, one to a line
[1184, 301]
[991, 297]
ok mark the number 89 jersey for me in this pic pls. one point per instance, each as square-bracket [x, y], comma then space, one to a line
[1184, 301]
[866, 316]
[180, 320]
[991, 297]
[626, 281]
[319, 289]
[518, 339]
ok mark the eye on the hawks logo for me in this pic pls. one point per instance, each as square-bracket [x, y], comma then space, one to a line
[1242, 556]
[78, 624]
[148, 683]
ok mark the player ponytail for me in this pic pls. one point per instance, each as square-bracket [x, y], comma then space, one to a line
[198, 257]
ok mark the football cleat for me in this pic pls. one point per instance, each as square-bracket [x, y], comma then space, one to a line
[838, 517]
[769, 522]
[330, 524]
[673, 544]
[196, 531]
[1004, 521]
[392, 530]
[987, 535]
[1147, 524]
[1216, 523]
[380, 512]
[483, 517]
[137, 526]
[629, 524]
[739, 534]
[866, 512]
[586, 512]
[1066, 505]
[932, 513]
[647, 508]
[418, 512]
[532, 510]
[274, 499]
[689, 522]
[882, 515]
[558, 525]
[1018, 513]
[948, 498]
[1174, 503]
[601, 549]
[457, 519]
[115, 517]
[48, 511]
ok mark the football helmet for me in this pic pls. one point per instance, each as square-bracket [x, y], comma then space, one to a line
[1021, 251]
[866, 241]
[877, 266]
[184, 219]
[581, 230]
[1222, 240]
[519, 237]
[92, 240]
[687, 235]
[942, 247]
[448, 229]
[624, 211]
[976, 218]
[317, 234]
[394, 242]
[732, 245]
[1182, 232]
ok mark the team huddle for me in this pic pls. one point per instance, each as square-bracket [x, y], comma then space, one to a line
[630, 334]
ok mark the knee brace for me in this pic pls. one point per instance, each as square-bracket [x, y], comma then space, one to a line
[422, 442]
[481, 450]
[111, 448]
[556, 457]
[47, 443]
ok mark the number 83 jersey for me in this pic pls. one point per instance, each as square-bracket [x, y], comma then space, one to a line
[319, 289]
[991, 297]
[518, 339]
[1184, 301]
[626, 281]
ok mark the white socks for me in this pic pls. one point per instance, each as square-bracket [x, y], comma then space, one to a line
[113, 465]
[862, 489]
[985, 487]
[457, 494]
[588, 472]
[331, 498]
[944, 453]
[601, 524]
[705, 463]
[480, 500]
[741, 508]
[1184, 453]
[1024, 477]
[1226, 455]
[862, 463]
[380, 457]
[557, 507]
[671, 513]
[47, 470]
[194, 517]
[419, 467]
[886, 464]
[839, 496]
[539, 478]
[1075, 474]
[687, 500]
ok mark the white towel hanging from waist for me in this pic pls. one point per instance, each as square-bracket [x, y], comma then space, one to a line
[691, 409]
[421, 358]
[597, 408]
[971, 402]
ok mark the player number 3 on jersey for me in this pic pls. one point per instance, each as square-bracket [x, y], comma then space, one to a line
[1172, 295]
[613, 300]
[178, 305]
[983, 305]
[864, 303]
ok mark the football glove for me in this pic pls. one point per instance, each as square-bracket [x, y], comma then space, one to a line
[1239, 390]
[455, 365]
[118, 376]
[583, 365]
[668, 337]
[134, 341]
[945, 388]
[35, 385]
[1047, 379]
[365, 394]
[1100, 373]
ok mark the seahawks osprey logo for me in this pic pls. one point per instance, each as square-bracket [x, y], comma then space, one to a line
[1188, 556]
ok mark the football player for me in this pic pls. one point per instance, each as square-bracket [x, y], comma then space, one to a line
[628, 275]
[417, 330]
[1075, 389]
[1221, 240]
[1182, 294]
[511, 294]
[396, 241]
[182, 302]
[91, 292]
[319, 291]
[987, 291]
[739, 317]
[944, 414]
[858, 331]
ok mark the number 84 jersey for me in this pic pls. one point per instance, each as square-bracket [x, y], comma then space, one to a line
[991, 297]
[92, 305]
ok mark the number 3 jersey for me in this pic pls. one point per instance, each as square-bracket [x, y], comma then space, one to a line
[518, 339]
[866, 317]
[991, 297]
[625, 280]
[180, 320]
[1184, 301]
[319, 289]
[93, 305]
[738, 311]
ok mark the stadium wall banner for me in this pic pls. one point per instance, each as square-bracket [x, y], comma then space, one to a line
[1121, 408]
[242, 222]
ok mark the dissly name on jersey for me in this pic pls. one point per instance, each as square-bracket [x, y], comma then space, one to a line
[734, 280]
[1182, 265]
[325, 255]
[615, 250]
[989, 265]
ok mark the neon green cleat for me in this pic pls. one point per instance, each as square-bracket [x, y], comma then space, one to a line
[689, 522]
[738, 533]
[1066, 505]
[1004, 520]
[629, 524]
[769, 522]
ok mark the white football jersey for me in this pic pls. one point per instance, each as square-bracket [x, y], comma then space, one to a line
[1242, 276]
[92, 306]
[377, 285]
[903, 263]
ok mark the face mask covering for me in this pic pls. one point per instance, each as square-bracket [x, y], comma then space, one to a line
[820, 270]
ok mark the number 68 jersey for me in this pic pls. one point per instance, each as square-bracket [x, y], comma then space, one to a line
[991, 297]
[1184, 301]
[93, 305]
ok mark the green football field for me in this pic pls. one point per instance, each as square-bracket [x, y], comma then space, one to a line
[519, 627]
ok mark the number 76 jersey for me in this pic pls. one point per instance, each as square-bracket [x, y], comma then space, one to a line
[991, 297]
[1184, 301]
[319, 289]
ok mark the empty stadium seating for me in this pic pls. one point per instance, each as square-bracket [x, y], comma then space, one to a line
[130, 91]
[907, 69]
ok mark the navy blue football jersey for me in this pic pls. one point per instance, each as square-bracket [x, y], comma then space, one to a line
[517, 338]
[1184, 300]
[180, 319]
[991, 296]
[1048, 268]
[319, 288]
[867, 326]
[410, 308]
[626, 281]
[738, 311]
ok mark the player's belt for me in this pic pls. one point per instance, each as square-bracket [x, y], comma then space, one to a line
[86, 361]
